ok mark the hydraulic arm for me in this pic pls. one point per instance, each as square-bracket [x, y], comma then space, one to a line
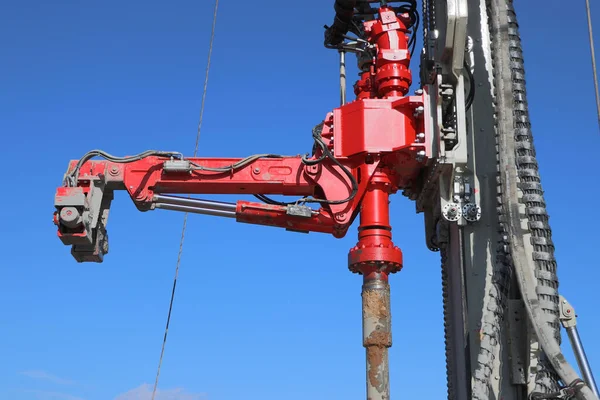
[385, 156]
[364, 152]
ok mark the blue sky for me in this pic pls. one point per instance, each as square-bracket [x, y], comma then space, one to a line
[260, 313]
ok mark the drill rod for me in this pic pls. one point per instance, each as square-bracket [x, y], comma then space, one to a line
[377, 334]
[375, 257]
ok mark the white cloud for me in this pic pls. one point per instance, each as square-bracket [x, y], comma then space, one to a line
[144, 392]
[43, 375]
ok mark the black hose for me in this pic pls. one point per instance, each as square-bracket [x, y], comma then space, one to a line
[344, 10]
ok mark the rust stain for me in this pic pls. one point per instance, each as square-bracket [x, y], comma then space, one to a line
[374, 358]
[374, 304]
[379, 338]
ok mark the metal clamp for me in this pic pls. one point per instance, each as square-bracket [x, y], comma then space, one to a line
[81, 218]
[568, 319]
[460, 207]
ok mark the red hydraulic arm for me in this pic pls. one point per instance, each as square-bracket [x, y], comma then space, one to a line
[382, 134]
[373, 137]
[364, 151]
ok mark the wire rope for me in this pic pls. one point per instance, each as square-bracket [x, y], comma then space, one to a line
[183, 229]
[593, 55]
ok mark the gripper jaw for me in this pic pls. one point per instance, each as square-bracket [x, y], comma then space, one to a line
[94, 252]
[81, 216]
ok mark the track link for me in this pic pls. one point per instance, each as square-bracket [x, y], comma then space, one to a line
[536, 220]
[531, 193]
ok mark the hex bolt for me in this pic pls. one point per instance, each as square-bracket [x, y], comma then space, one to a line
[312, 169]
[420, 137]
[419, 92]
[419, 110]
[452, 212]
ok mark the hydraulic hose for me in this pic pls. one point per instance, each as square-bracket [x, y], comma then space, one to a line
[512, 125]
[344, 10]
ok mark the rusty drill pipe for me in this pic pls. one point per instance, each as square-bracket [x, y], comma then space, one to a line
[375, 257]
[377, 334]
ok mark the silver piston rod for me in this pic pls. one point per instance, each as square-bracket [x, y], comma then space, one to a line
[568, 319]
[196, 206]
[342, 77]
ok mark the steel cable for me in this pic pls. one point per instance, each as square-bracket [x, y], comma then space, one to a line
[593, 55]
[183, 229]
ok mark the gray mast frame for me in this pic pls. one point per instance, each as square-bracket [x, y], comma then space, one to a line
[481, 318]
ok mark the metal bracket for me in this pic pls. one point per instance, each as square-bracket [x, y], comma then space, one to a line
[457, 201]
[516, 341]
[567, 316]
[568, 319]
[299, 211]
[445, 53]
[82, 219]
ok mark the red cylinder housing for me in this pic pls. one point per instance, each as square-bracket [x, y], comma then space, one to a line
[389, 33]
[373, 126]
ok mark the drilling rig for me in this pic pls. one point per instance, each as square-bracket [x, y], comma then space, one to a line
[459, 146]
